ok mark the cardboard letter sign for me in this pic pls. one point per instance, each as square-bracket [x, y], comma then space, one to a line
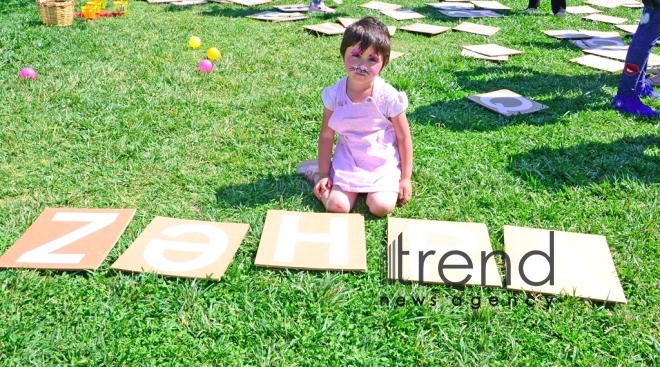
[68, 239]
[321, 241]
[184, 248]
[420, 248]
[576, 264]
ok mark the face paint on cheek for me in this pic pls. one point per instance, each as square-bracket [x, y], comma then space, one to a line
[359, 70]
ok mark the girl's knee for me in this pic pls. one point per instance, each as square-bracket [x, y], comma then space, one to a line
[380, 208]
[337, 206]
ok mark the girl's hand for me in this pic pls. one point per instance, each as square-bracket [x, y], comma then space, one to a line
[322, 186]
[405, 191]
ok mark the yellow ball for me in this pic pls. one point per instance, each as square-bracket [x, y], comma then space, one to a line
[194, 42]
[213, 53]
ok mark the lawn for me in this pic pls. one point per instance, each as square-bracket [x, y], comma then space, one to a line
[120, 117]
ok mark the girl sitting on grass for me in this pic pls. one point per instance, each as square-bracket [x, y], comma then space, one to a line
[374, 148]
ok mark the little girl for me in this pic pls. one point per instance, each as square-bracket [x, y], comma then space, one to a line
[374, 148]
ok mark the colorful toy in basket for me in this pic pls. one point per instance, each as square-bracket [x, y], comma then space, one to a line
[120, 6]
[96, 8]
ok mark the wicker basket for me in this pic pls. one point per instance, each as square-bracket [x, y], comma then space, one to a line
[53, 12]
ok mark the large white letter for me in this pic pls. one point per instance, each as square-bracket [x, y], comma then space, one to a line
[289, 235]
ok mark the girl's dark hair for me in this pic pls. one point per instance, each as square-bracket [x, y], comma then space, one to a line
[368, 32]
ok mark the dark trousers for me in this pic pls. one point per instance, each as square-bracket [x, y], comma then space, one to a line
[556, 5]
[639, 50]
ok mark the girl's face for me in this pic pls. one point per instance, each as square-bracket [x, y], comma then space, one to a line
[362, 65]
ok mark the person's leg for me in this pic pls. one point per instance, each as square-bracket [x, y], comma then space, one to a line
[532, 6]
[632, 84]
[381, 203]
[338, 200]
[317, 6]
[558, 7]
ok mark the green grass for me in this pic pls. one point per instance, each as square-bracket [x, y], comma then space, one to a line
[120, 117]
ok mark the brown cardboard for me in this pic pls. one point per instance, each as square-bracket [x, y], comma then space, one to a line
[275, 16]
[585, 9]
[183, 248]
[483, 30]
[600, 63]
[492, 49]
[188, 2]
[610, 4]
[435, 239]
[630, 28]
[567, 34]
[329, 29]
[159, 1]
[601, 34]
[467, 53]
[402, 14]
[596, 42]
[471, 13]
[348, 21]
[583, 265]
[395, 55]
[506, 102]
[316, 241]
[605, 19]
[301, 8]
[490, 5]
[451, 5]
[428, 29]
[619, 53]
[251, 2]
[68, 239]
[378, 5]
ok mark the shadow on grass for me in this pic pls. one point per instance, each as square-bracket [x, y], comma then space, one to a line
[280, 189]
[570, 93]
[636, 159]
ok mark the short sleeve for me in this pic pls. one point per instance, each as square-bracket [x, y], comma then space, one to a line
[329, 97]
[393, 102]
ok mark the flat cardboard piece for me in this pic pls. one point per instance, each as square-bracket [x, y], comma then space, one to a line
[475, 55]
[320, 241]
[619, 53]
[611, 4]
[600, 63]
[605, 19]
[159, 1]
[601, 34]
[251, 2]
[490, 5]
[434, 239]
[378, 5]
[585, 9]
[582, 264]
[348, 21]
[471, 13]
[428, 29]
[483, 30]
[68, 239]
[633, 5]
[492, 49]
[598, 43]
[630, 28]
[188, 2]
[567, 34]
[395, 55]
[326, 28]
[183, 248]
[300, 8]
[402, 14]
[452, 5]
[276, 16]
[506, 102]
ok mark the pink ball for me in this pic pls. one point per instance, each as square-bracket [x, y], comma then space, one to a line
[205, 66]
[28, 73]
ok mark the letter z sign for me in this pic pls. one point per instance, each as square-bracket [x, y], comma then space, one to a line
[68, 239]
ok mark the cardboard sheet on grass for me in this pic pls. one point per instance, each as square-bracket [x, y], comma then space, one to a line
[378, 5]
[250, 2]
[395, 55]
[436, 239]
[348, 21]
[159, 1]
[328, 29]
[611, 4]
[605, 19]
[301, 8]
[483, 30]
[582, 264]
[402, 14]
[506, 102]
[427, 29]
[452, 6]
[320, 241]
[68, 239]
[277, 16]
[188, 2]
[467, 53]
[599, 63]
[619, 53]
[595, 42]
[581, 10]
[471, 13]
[566, 34]
[490, 5]
[183, 248]
[630, 28]
[492, 49]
